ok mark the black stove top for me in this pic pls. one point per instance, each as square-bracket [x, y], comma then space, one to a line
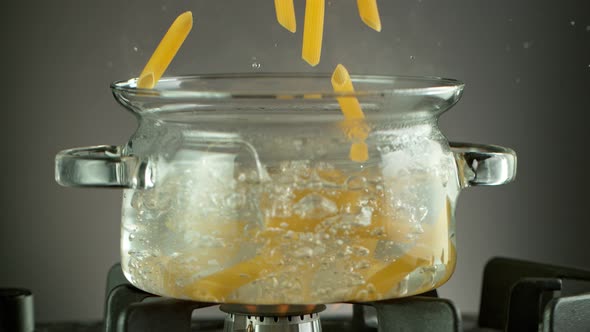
[516, 296]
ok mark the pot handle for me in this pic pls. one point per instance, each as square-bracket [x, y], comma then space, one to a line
[99, 166]
[484, 165]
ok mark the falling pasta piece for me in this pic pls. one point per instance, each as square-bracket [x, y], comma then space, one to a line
[286, 14]
[354, 124]
[165, 52]
[313, 31]
[146, 80]
[369, 13]
[350, 106]
[359, 152]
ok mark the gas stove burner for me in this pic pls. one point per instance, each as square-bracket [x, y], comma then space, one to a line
[270, 318]
[291, 323]
[280, 310]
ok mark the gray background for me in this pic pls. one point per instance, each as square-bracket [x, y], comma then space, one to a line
[526, 65]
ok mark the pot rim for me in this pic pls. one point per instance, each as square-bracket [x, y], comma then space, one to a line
[287, 86]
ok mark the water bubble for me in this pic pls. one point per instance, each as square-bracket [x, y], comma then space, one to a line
[303, 252]
[315, 206]
[298, 144]
[110, 64]
[588, 28]
[321, 150]
[412, 57]
[364, 217]
[527, 44]
[572, 22]
[135, 48]
[276, 44]
[361, 251]
[137, 200]
[164, 8]
[356, 183]
[517, 80]
[362, 265]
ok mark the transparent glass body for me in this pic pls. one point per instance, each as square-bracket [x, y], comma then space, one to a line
[241, 189]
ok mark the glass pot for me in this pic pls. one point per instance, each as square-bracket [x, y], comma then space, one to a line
[241, 188]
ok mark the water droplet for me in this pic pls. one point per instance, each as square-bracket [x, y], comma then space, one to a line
[164, 8]
[527, 44]
[588, 28]
[439, 43]
[412, 57]
[256, 65]
[276, 44]
[572, 22]
[508, 48]
[110, 64]
[517, 80]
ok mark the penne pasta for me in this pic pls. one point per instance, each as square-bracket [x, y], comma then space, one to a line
[313, 31]
[355, 126]
[369, 13]
[286, 14]
[165, 52]
[341, 82]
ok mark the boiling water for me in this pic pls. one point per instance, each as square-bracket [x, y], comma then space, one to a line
[295, 232]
